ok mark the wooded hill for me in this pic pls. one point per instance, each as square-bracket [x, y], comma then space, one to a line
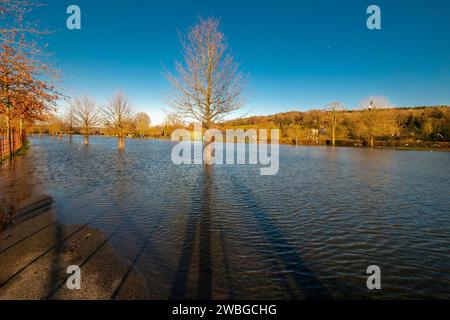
[418, 126]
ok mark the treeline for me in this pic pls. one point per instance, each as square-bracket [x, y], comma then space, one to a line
[84, 116]
[97, 120]
[418, 126]
[390, 127]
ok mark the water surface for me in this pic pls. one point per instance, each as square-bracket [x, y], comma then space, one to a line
[311, 231]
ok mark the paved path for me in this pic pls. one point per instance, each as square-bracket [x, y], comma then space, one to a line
[36, 250]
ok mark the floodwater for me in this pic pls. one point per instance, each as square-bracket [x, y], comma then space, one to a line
[225, 231]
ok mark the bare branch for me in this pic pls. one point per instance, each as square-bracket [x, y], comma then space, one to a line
[86, 115]
[207, 85]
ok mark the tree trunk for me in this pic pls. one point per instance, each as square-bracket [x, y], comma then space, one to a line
[121, 138]
[333, 136]
[371, 142]
[121, 142]
[372, 128]
[209, 151]
[21, 130]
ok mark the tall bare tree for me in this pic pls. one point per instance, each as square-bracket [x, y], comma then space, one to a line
[207, 85]
[87, 115]
[118, 114]
[371, 107]
[333, 109]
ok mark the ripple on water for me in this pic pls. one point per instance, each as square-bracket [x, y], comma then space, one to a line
[312, 230]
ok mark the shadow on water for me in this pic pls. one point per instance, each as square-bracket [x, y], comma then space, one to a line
[205, 272]
[305, 279]
[134, 229]
[198, 226]
[226, 264]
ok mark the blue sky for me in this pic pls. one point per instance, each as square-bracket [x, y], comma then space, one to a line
[299, 54]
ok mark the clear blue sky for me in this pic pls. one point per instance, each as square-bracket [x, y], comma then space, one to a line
[299, 54]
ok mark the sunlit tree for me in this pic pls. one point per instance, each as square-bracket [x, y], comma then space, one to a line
[87, 116]
[118, 114]
[371, 107]
[142, 123]
[207, 85]
[27, 82]
[333, 109]
[70, 121]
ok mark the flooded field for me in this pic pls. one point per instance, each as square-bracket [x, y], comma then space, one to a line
[225, 231]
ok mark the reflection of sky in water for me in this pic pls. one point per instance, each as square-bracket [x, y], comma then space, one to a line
[310, 231]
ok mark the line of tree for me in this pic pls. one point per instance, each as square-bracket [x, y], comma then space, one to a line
[86, 117]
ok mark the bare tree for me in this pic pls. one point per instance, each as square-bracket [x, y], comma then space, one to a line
[70, 121]
[86, 115]
[174, 120]
[208, 84]
[371, 107]
[118, 114]
[55, 126]
[142, 123]
[333, 109]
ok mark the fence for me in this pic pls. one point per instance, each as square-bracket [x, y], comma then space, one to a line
[17, 142]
